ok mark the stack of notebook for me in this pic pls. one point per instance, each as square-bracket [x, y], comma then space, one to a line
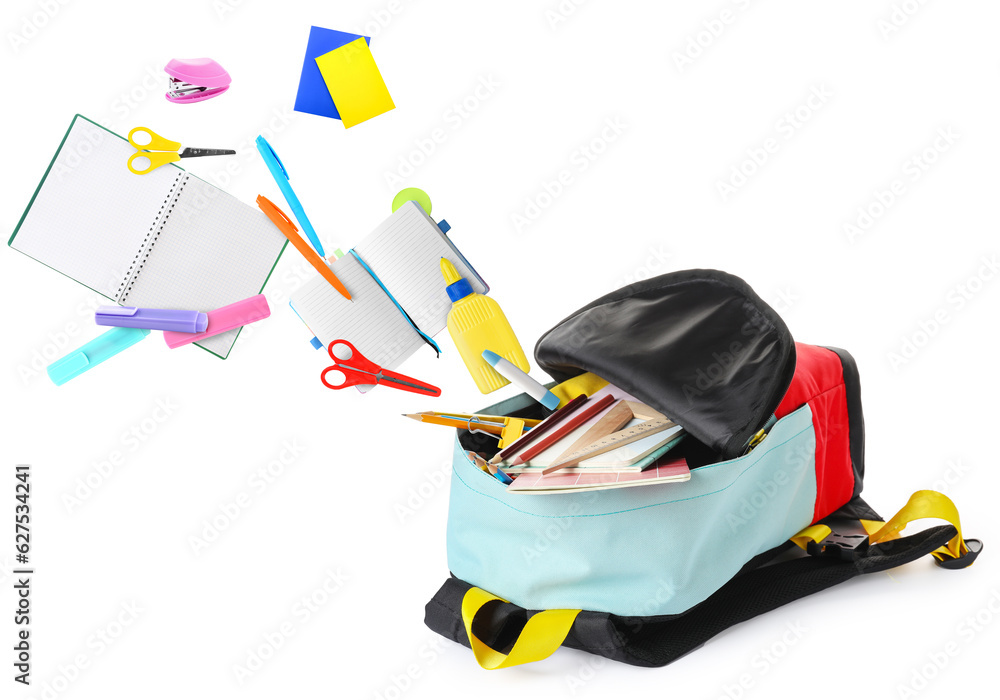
[618, 460]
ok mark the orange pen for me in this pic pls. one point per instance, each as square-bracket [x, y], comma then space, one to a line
[290, 231]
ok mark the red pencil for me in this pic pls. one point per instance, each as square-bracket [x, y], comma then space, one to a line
[546, 425]
[565, 429]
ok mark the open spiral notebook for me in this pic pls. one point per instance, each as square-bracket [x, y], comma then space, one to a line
[166, 239]
[398, 288]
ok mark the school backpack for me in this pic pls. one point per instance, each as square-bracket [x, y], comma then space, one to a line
[644, 575]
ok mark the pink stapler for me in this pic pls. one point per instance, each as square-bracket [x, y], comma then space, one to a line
[195, 79]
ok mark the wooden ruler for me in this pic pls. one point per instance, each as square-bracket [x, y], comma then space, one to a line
[613, 421]
[612, 442]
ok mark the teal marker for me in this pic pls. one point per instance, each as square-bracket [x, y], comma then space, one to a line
[95, 352]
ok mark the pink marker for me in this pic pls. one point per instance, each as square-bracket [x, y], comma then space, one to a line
[225, 319]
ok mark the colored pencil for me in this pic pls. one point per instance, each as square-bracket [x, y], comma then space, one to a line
[545, 426]
[564, 429]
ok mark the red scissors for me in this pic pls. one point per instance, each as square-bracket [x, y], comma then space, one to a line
[351, 368]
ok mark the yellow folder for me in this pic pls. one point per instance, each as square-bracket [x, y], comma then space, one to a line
[354, 82]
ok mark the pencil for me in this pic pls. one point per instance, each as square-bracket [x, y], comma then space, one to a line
[434, 419]
[545, 426]
[289, 230]
[490, 424]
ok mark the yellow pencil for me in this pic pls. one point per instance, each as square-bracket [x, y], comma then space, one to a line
[490, 424]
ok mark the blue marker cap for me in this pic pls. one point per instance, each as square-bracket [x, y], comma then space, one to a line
[95, 352]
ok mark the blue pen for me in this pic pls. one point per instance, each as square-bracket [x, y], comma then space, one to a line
[280, 176]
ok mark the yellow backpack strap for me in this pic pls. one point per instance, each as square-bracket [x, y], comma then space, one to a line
[813, 533]
[931, 504]
[544, 632]
[956, 554]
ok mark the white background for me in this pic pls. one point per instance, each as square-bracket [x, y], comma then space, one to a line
[649, 202]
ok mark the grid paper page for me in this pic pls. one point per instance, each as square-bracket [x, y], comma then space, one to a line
[369, 320]
[213, 250]
[91, 215]
[405, 252]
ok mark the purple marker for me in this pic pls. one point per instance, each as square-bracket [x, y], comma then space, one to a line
[151, 319]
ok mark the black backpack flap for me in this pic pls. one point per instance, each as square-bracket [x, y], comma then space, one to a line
[697, 345]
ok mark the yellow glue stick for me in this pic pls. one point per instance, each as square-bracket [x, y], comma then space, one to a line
[477, 323]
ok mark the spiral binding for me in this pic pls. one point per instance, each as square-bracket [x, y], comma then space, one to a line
[166, 209]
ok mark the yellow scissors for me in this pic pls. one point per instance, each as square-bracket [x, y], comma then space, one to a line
[156, 142]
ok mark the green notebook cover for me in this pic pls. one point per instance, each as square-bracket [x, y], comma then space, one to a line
[203, 259]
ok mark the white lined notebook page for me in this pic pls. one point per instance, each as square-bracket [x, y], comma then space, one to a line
[91, 215]
[370, 321]
[405, 252]
[213, 250]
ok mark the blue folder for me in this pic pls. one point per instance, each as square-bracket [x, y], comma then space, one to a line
[313, 96]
